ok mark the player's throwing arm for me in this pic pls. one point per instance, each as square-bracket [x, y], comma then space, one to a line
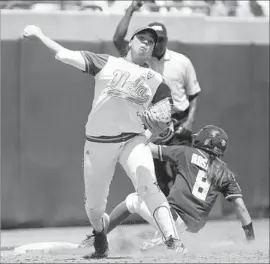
[67, 56]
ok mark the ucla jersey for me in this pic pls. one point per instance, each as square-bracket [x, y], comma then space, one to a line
[122, 91]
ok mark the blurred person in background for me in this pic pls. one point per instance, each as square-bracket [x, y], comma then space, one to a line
[218, 8]
[243, 9]
[94, 6]
[111, 6]
[124, 90]
[200, 7]
[265, 6]
[256, 8]
[3, 4]
[231, 7]
[43, 6]
[179, 74]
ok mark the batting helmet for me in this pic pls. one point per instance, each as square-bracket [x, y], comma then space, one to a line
[211, 139]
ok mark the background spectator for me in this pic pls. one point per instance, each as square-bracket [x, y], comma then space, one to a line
[218, 8]
[255, 8]
[243, 9]
[223, 8]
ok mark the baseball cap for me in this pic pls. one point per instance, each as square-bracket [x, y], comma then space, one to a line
[147, 28]
[159, 28]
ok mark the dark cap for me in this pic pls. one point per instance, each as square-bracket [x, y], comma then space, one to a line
[159, 28]
[149, 29]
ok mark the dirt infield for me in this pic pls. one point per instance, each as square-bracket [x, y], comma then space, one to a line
[218, 242]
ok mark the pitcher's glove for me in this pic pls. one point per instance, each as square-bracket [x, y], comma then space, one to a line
[157, 120]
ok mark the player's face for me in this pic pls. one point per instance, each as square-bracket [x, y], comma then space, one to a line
[160, 46]
[142, 45]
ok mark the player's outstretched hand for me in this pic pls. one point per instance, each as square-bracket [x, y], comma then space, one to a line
[31, 31]
[136, 5]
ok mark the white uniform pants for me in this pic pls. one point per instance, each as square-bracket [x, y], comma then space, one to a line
[99, 166]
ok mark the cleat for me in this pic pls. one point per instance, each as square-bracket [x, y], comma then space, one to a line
[101, 246]
[95, 255]
[151, 243]
[176, 245]
[88, 242]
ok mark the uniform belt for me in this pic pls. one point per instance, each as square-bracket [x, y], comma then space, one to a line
[112, 139]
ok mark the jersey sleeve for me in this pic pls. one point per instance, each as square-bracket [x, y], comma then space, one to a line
[169, 152]
[163, 91]
[191, 83]
[229, 186]
[94, 63]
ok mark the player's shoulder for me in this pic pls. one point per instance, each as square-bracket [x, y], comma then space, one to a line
[228, 172]
[223, 165]
[153, 75]
[96, 57]
[91, 53]
[110, 57]
[120, 61]
[223, 171]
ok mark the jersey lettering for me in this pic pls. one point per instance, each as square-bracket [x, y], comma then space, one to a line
[199, 161]
[201, 186]
[120, 79]
[121, 87]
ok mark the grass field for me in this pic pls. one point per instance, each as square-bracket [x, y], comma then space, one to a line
[218, 242]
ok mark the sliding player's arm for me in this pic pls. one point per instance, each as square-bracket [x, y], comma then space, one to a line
[245, 219]
[166, 153]
[84, 60]
[232, 192]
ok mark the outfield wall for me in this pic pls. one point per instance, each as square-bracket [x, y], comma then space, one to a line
[45, 104]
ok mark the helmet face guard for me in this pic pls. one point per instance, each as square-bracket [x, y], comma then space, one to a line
[211, 139]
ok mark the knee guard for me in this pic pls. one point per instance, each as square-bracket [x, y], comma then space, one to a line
[147, 183]
[149, 191]
[132, 201]
[157, 204]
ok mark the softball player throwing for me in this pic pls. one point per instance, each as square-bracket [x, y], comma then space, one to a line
[124, 90]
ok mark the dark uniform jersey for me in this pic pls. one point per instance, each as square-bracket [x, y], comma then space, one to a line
[196, 188]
